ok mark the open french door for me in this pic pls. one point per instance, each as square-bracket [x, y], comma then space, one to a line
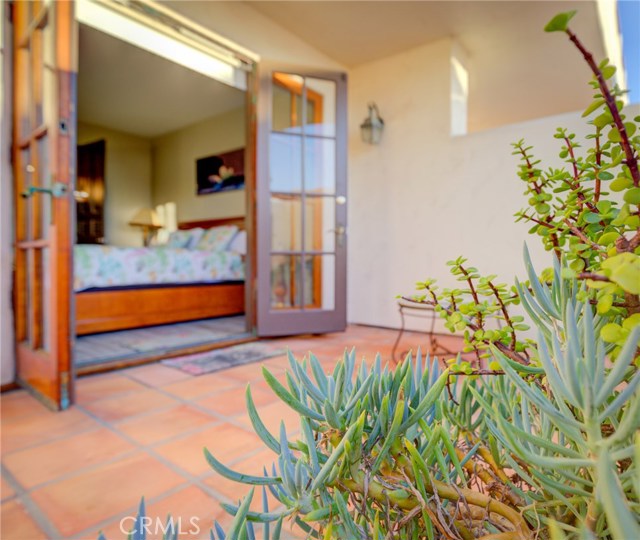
[44, 77]
[301, 203]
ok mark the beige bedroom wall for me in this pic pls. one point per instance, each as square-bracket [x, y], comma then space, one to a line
[174, 165]
[128, 170]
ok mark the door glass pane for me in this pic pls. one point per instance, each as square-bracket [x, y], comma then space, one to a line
[37, 301]
[26, 172]
[36, 59]
[46, 300]
[286, 223]
[286, 292]
[319, 281]
[321, 107]
[43, 180]
[286, 109]
[319, 165]
[319, 224]
[285, 163]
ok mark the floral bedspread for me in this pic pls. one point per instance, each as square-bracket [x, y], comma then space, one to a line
[111, 266]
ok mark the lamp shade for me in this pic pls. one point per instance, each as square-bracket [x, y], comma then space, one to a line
[146, 217]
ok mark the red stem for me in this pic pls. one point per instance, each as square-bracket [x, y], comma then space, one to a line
[631, 160]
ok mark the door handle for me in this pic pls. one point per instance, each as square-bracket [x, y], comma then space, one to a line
[340, 232]
[57, 190]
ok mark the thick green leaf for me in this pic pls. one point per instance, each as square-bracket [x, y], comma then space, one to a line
[595, 105]
[632, 196]
[620, 518]
[258, 426]
[560, 22]
[225, 471]
[289, 399]
[238, 524]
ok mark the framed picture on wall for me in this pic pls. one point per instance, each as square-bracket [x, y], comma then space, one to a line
[222, 172]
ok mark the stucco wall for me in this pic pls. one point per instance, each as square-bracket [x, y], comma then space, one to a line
[421, 197]
[127, 181]
[174, 164]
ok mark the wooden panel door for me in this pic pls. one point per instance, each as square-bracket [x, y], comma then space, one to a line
[43, 148]
[301, 204]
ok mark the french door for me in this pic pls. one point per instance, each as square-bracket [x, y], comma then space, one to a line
[43, 169]
[301, 204]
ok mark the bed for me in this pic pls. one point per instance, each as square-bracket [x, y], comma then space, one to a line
[119, 288]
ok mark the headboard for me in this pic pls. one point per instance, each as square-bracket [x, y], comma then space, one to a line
[209, 223]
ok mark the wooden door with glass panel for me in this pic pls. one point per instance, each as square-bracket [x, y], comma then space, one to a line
[301, 205]
[43, 170]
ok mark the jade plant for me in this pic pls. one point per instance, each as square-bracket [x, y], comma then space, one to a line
[534, 438]
[573, 211]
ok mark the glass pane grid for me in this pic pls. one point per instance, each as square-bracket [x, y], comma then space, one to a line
[302, 181]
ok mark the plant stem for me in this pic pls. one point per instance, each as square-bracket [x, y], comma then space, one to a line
[631, 160]
[505, 314]
[596, 194]
[474, 295]
[445, 491]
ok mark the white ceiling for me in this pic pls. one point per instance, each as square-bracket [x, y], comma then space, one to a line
[127, 89]
[517, 72]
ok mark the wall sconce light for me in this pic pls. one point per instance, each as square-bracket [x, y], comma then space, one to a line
[373, 126]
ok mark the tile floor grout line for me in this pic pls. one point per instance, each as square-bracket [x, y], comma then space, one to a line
[192, 479]
[131, 511]
[3, 456]
[77, 472]
[201, 408]
[136, 416]
[35, 512]
[186, 478]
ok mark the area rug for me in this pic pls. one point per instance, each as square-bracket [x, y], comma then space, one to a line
[210, 361]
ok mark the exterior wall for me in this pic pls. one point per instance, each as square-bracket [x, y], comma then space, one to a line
[421, 197]
[127, 181]
[174, 165]
[7, 351]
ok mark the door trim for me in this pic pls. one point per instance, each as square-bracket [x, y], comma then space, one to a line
[281, 323]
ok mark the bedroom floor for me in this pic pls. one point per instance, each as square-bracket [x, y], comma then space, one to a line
[154, 340]
[140, 431]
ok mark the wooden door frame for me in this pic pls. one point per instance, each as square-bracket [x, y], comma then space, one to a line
[46, 372]
[68, 169]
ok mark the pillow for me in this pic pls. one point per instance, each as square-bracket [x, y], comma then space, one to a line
[217, 238]
[185, 239]
[238, 243]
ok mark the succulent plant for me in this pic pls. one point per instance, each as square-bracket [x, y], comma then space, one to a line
[544, 442]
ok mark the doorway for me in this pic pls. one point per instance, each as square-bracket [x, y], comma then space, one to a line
[161, 155]
[298, 289]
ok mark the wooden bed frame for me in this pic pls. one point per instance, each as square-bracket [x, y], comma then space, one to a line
[107, 310]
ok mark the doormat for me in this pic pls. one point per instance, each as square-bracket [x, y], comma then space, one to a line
[210, 361]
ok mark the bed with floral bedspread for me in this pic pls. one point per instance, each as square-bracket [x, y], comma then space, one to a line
[97, 266]
[198, 274]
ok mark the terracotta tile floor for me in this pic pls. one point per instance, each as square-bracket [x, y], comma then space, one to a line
[141, 431]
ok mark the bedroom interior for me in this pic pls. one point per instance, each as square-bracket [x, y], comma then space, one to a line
[144, 126]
